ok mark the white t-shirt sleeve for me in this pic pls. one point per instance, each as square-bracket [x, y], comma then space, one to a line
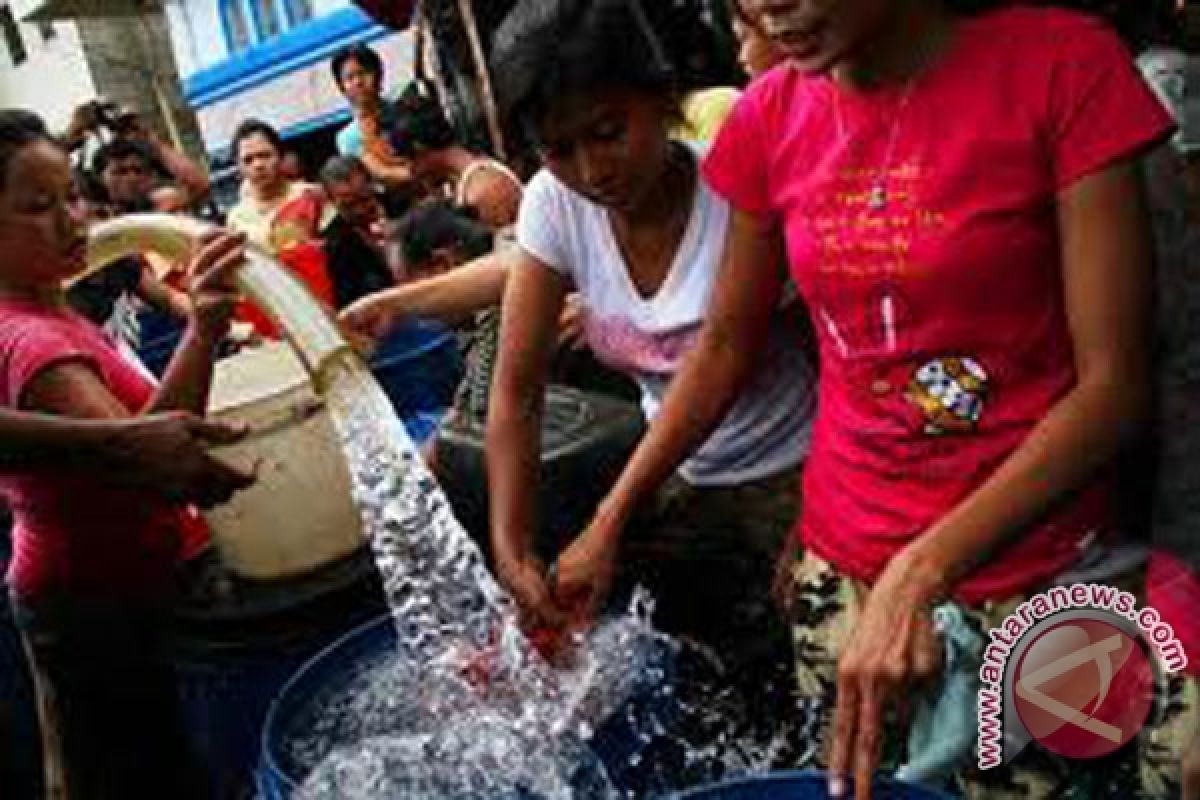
[542, 223]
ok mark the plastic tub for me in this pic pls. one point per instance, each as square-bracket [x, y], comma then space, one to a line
[235, 642]
[279, 775]
[586, 441]
[299, 514]
[418, 366]
[801, 785]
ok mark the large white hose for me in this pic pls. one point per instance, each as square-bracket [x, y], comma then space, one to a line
[305, 323]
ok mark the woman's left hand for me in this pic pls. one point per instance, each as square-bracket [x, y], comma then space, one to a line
[584, 571]
[892, 647]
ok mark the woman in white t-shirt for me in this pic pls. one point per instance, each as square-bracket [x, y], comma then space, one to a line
[620, 213]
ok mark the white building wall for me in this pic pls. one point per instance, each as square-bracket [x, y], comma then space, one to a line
[198, 37]
[55, 77]
[196, 34]
[323, 7]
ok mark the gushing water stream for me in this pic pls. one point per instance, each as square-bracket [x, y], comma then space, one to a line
[465, 706]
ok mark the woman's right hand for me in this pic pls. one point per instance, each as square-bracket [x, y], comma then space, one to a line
[525, 578]
[369, 318]
[212, 286]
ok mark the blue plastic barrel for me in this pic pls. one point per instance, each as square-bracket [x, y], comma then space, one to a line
[418, 365]
[333, 669]
[278, 775]
[801, 785]
[20, 742]
[235, 642]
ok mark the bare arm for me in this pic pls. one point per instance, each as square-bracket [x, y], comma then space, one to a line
[188, 175]
[463, 290]
[532, 302]
[166, 454]
[393, 176]
[1107, 278]
[747, 291]
[213, 295]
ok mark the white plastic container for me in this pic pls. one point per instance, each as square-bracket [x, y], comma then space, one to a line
[299, 515]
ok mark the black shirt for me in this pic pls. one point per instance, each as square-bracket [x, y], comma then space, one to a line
[356, 267]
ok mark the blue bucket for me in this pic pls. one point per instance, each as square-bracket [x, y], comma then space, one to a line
[801, 785]
[278, 776]
[419, 366]
[234, 646]
[333, 669]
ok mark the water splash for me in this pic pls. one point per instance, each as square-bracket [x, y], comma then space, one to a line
[465, 707]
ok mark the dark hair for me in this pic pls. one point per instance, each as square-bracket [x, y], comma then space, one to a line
[546, 51]
[739, 12]
[90, 187]
[438, 224]
[119, 149]
[18, 128]
[420, 123]
[255, 127]
[340, 169]
[367, 58]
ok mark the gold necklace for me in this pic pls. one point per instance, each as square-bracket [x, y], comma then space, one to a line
[877, 194]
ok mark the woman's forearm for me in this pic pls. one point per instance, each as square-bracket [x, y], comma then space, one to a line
[33, 441]
[186, 383]
[513, 445]
[462, 291]
[392, 175]
[1106, 260]
[1081, 434]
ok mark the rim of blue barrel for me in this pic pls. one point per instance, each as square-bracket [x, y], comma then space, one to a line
[314, 663]
[784, 784]
[419, 337]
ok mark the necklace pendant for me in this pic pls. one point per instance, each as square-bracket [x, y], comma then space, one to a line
[877, 198]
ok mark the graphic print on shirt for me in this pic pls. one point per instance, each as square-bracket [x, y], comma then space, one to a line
[618, 343]
[950, 392]
[858, 242]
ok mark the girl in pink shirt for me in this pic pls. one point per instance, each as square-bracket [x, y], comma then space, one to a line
[958, 198]
[92, 565]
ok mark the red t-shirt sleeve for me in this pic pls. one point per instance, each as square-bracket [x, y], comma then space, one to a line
[28, 350]
[737, 164]
[1100, 109]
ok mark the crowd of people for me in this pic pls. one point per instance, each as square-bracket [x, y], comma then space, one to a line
[908, 315]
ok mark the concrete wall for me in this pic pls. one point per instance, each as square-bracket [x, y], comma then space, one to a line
[132, 62]
[54, 79]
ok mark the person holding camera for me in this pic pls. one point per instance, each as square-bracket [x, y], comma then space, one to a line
[129, 162]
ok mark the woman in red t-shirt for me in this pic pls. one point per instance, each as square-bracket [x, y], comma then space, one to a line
[92, 566]
[958, 198]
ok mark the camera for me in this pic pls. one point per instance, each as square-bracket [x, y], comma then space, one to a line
[109, 115]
